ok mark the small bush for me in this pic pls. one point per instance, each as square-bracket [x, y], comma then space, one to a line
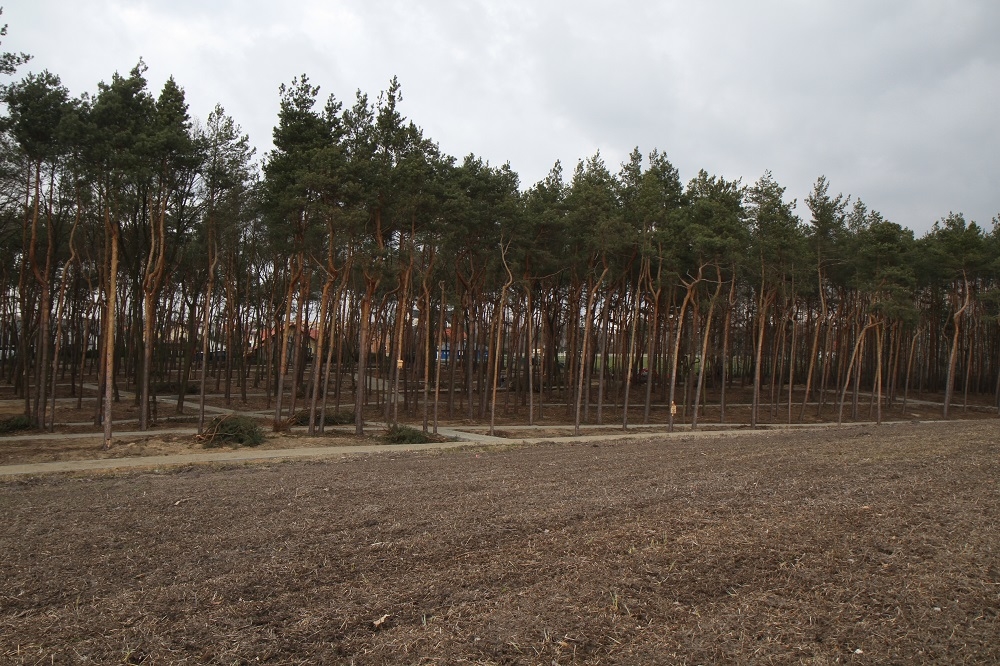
[331, 419]
[339, 418]
[15, 423]
[401, 434]
[174, 388]
[234, 429]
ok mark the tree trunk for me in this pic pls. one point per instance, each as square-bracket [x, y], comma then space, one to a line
[953, 355]
[688, 293]
[359, 397]
[584, 355]
[632, 341]
[109, 335]
[704, 348]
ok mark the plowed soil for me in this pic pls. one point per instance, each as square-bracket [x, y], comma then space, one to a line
[862, 544]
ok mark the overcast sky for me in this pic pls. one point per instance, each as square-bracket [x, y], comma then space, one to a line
[895, 101]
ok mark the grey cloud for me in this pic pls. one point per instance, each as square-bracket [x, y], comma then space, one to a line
[893, 101]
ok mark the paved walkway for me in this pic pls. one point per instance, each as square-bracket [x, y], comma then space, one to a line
[239, 455]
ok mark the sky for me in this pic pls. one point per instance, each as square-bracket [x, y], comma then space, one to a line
[895, 101]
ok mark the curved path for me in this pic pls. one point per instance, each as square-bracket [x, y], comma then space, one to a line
[457, 439]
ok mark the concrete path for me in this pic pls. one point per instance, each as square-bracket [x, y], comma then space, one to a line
[249, 454]
[239, 455]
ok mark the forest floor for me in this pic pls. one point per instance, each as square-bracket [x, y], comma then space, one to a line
[816, 544]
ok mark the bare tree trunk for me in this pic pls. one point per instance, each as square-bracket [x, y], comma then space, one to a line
[631, 349]
[154, 272]
[437, 365]
[909, 368]
[109, 335]
[283, 341]
[850, 368]
[688, 293]
[396, 367]
[953, 356]
[327, 368]
[359, 397]
[42, 277]
[820, 323]
[791, 363]
[530, 317]
[878, 374]
[59, 309]
[653, 331]
[317, 373]
[583, 352]
[603, 354]
[206, 324]
[452, 362]
[731, 302]
[759, 355]
[426, 319]
[499, 318]
[970, 340]
[704, 348]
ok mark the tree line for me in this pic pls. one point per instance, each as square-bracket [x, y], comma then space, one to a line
[356, 267]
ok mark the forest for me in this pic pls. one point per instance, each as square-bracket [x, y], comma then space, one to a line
[356, 269]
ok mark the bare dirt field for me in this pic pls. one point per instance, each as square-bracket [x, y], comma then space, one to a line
[861, 544]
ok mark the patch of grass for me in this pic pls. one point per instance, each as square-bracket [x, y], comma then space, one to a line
[401, 434]
[233, 429]
[15, 423]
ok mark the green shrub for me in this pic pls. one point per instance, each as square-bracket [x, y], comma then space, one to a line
[173, 388]
[401, 434]
[301, 418]
[338, 418]
[234, 429]
[15, 423]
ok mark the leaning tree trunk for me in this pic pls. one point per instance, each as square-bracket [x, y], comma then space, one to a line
[155, 271]
[688, 293]
[317, 375]
[850, 368]
[765, 301]
[59, 309]
[603, 355]
[820, 323]
[953, 356]
[704, 349]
